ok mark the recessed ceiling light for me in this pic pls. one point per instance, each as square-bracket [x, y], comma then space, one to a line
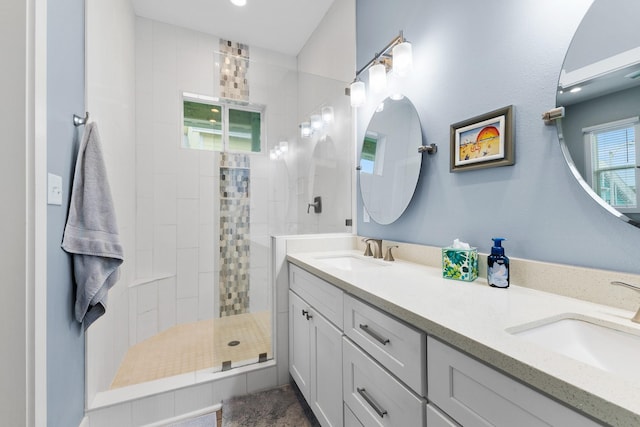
[239, 2]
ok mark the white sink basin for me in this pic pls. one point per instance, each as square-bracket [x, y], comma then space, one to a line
[603, 346]
[352, 262]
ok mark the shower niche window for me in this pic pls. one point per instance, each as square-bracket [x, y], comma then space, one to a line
[221, 125]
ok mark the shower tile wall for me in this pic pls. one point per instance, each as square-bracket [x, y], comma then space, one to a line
[235, 237]
[233, 70]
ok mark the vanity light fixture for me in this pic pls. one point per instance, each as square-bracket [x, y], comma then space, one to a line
[279, 150]
[378, 78]
[396, 56]
[358, 93]
[316, 122]
[402, 59]
[305, 130]
[327, 114]
[393, 83]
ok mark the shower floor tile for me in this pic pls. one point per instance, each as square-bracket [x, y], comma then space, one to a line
[196, 346]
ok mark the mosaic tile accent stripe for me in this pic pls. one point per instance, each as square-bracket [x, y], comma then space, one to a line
[234, 65]
[235, 234]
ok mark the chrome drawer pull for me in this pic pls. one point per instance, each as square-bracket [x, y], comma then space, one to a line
[371, 403]
[383, 341]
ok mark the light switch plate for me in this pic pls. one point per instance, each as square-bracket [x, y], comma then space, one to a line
[54, 193]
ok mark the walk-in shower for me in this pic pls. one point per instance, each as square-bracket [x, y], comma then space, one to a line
[209, 193]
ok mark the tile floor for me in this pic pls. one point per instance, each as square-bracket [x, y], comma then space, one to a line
[196, 346]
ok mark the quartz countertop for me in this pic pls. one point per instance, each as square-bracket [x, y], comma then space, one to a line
[474, 318]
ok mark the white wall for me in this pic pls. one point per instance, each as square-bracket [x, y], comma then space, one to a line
[331, 50]
[110, 100]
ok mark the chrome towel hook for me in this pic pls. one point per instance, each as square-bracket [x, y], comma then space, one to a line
[79, 121]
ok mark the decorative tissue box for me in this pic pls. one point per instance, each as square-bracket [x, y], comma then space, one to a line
[460, 264]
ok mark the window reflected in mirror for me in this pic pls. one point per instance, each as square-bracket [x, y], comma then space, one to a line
[372, 158]
[613, 157]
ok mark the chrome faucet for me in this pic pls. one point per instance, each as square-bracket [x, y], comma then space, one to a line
[367, 250]
[635, 318]
[378, 248]
[389, 256]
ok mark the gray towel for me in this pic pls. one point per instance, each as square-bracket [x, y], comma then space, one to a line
[91, 233]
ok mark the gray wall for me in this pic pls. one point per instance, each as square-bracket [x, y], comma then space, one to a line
[65, 96]
[609, 108]
[595, 40]
[470, 58]
[13, 162]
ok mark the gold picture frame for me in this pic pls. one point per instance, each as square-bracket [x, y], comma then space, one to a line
[483, 141]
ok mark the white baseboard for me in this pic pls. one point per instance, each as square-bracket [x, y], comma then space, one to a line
[183, 417]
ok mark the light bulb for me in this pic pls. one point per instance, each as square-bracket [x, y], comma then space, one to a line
[377, 78]
[239, 2]
[327, 114]
[358, 94]
[402, 59]
[316, 122]
[305, 129]
[395, 91]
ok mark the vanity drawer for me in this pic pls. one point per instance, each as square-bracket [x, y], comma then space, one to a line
[323, 296]
[473, 394]
[398, 347]
[435, 418]
[350, 420]
[375, 397]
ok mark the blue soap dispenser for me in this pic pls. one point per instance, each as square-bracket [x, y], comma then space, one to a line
[498, 265]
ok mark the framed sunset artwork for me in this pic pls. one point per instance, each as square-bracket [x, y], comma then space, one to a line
[483, 141]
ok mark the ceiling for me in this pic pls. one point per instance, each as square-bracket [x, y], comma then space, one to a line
[280, 25]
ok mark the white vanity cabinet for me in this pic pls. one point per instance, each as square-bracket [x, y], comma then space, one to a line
[315, 344]
[473, 394]
[375, 396]
[398, 347]
[382, 371]
[350, 419]
[384, 367]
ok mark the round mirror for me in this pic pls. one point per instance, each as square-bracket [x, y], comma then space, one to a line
[599, 88]
[390, 162]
